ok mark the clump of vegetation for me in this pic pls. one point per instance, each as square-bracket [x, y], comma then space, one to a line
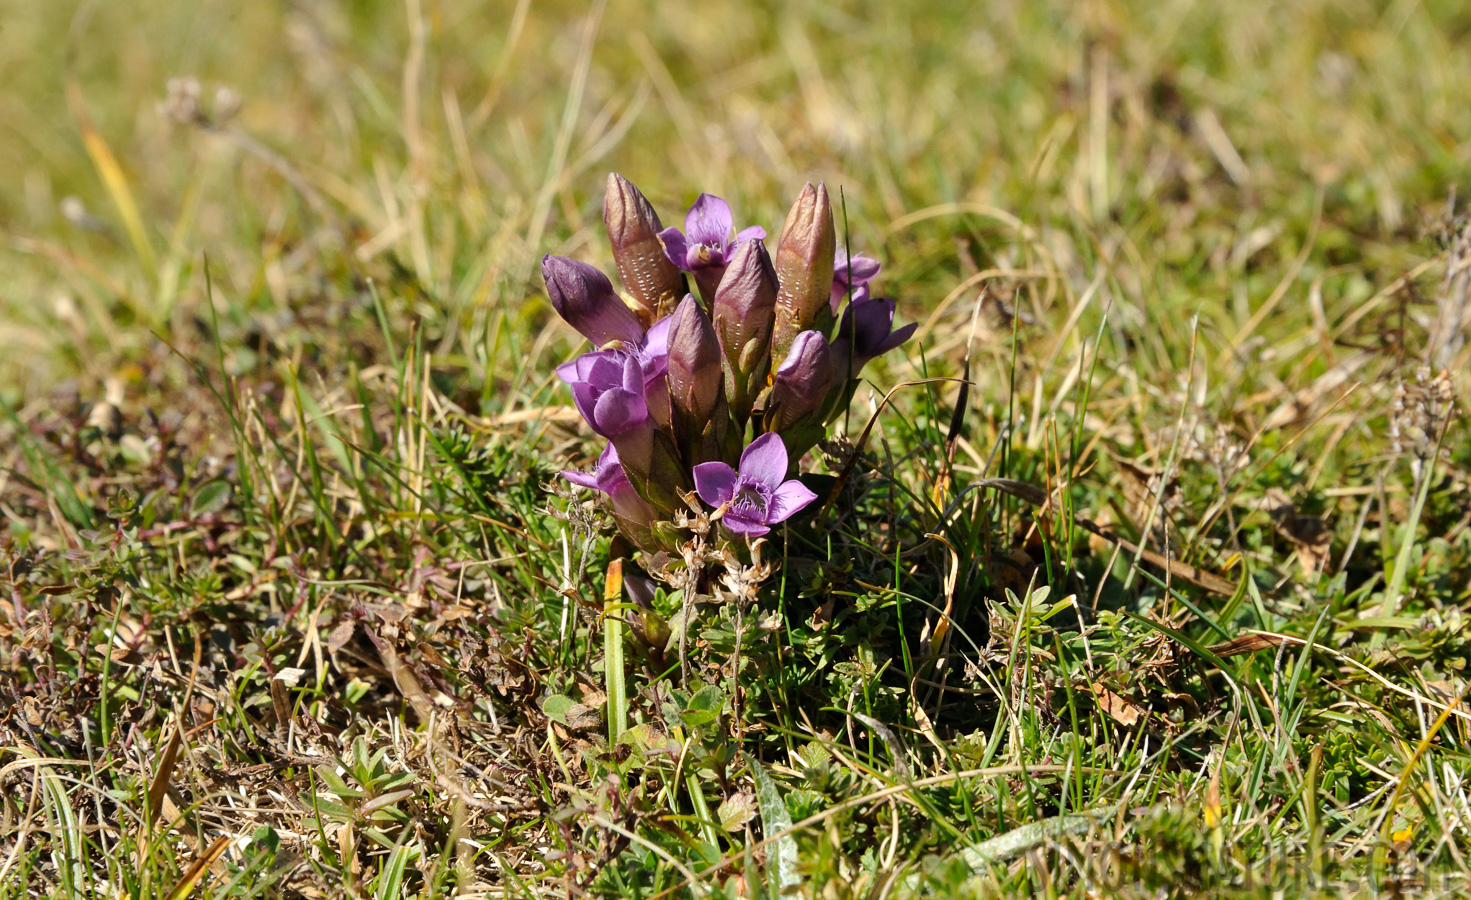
[1139, 568]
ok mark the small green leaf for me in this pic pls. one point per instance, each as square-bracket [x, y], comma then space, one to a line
[735, 811]
[336, 784]
[556, 707]
[774, 820]
[211, 497]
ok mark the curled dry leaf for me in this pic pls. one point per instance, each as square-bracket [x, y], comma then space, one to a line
[1124, 712]
[1247, 643]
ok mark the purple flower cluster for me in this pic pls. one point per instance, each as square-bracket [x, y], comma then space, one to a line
[676, 383]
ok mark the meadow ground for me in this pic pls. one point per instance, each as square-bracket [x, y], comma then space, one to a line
[1167, 598]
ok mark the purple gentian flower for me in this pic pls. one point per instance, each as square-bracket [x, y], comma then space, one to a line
[652, 353]
[609, 392]
[852, 275]
[706, 238]
[705, 246]
[754, 497]
[608, 388]
[867, 331]
[608, 476]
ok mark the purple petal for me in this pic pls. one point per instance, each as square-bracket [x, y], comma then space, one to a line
[709, 221]
[897, 338]
[745, 527]
[656, 339]
[676, 248]
[754, 233]
[858, 270]
[585, 398]
[589, 366]
[608, 459]
[585, 479]
[617, 411]
[633, 375]
[872, 322]
[714, 482]
[765, 460]
[571, 372]
[788, 500]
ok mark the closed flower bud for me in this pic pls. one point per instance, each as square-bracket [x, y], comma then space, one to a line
[694, 362]
[801, 384]
[804, 270]
[744, 311]
[652, 281]
[585, 298]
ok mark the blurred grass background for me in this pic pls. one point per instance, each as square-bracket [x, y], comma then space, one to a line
[452, 143]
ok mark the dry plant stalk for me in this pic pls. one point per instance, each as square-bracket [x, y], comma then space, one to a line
[1453, 313]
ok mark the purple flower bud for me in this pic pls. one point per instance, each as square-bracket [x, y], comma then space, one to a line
[585, 298]
[744, 310]
[654, 283]
[801, 384]
[694, 364]
[755, 496]
[804, 270]
[705, 246]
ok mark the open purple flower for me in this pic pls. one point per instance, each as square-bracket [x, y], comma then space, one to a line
[608, 388]
[706, 238]
[705, 245]
[852, 275]
[867, 331]
[608, 476]
[755, 496]
[651, 350]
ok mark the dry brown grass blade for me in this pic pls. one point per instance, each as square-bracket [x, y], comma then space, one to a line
[200, 866]
[403, 678]
[1247, 643]
[952, 574]
[159, 788]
